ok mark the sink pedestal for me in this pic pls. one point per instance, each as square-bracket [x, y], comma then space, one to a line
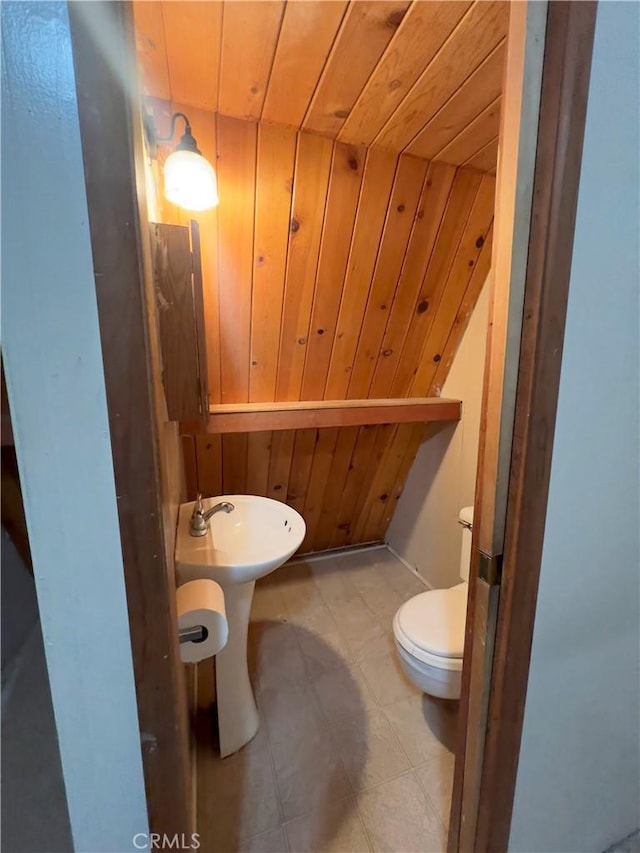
[237, 711]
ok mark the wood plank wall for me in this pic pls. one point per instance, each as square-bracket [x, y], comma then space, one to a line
[331, 271]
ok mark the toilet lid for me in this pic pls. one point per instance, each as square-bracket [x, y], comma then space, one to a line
[433, 623]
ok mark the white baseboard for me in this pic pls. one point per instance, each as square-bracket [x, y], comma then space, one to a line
[333, 552]
[411, 568]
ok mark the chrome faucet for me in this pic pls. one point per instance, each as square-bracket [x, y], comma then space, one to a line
[199, 523]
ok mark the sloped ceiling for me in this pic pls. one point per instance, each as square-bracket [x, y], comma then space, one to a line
[332, 270]
[422, 78]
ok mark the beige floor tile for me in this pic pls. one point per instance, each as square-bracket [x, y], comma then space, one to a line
[334, 828]
[436, 778]
[425, 727]
[314, 615]
[367, 578]
[370, 753]
[275, 658]
[322, 653]
[387, 679]
[358, 625]
[376, 592]
[293, 572]
[273, 841]
[384, 644]
[237, 798]
[396, 574]
[268, 603]
[355, 561]
[301, 593]
[384, 602]
[344, 695]
[309, 773]
[399, 818]
[332, 580]
[290, 711]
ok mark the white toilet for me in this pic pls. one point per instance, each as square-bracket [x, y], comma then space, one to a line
[429, 629]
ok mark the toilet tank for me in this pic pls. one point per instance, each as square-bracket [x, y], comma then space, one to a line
[466, 520]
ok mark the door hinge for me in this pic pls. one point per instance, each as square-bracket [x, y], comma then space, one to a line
[490, 568]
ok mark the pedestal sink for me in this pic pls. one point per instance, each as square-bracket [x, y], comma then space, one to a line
[256, 537]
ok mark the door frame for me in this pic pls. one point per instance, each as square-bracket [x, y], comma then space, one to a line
[111, 131]
[566, 64]
[113, 171]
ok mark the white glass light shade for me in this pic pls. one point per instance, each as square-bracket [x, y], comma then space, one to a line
[190, 181]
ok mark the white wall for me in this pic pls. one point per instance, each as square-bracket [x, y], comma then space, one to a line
[55, 380]
[424, 529]
[578, 783]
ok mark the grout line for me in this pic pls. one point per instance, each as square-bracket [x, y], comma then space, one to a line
[364, 826]
[424, 790]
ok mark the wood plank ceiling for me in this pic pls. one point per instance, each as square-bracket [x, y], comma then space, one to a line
[422, 78]
[342, 261]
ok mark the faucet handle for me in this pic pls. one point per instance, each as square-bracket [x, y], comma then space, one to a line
[198, 524]
[198, 508]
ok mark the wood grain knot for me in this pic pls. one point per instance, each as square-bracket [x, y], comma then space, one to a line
[437, 358]
[395, 84]
[395, 18]
[295, 225]
[422, 307]
[302, 341]
[321, 331]
[353, 164]
[480, 242]
[254, 364]
[387, 352]
[342, 113]
[384, 497]
[400, 208]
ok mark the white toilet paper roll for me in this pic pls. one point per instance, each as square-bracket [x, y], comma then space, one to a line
[201, 602]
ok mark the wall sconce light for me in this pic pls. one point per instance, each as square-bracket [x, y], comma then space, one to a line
[189, 178]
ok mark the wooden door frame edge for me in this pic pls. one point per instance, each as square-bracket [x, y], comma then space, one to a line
[104, 61]
[563, 105]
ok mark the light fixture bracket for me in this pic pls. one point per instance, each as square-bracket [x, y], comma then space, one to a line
[187, 140]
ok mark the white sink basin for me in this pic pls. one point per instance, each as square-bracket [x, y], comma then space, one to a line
[256, 537]
[240, 546]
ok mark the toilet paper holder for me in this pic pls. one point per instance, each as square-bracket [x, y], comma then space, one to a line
[193, 634]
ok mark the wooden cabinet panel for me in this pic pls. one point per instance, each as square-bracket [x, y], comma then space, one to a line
[183, 355]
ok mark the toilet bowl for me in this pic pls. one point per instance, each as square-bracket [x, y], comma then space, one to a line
[429, 629]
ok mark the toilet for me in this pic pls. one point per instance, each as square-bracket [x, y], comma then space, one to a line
[429, 629]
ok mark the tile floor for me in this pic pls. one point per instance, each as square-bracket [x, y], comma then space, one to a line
[349, 756]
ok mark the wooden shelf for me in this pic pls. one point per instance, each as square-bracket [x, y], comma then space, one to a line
[256, 417]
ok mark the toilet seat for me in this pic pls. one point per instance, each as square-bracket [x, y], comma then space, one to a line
[430, 627]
